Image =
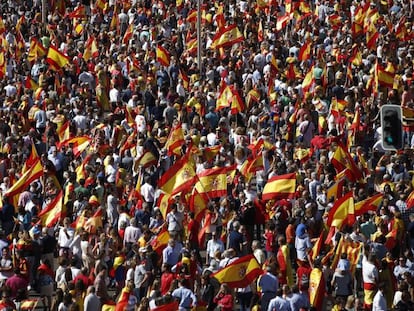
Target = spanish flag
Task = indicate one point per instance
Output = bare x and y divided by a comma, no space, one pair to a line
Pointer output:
316,249
94,222
316,288
91,49
282,21
79,12
3,64
240,273
198,205
308,80
369,204
163,56
56,59
79,144
226,37
29,304
305,51
343,208
191,46
175,140
230,98
53,212
35,172
253,96
81,169
212,183
160,241
179,176
36,50
210,152
372,36
147,159
31,160
184,77
128,34
384,78
252,165
335,191
353,251
280,187
410,200
64,131
30,84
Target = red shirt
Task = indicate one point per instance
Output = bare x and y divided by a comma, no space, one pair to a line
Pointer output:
166,280
193,229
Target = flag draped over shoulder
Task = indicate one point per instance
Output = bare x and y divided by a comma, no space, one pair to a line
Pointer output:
53,212
280,187
240,273
179,176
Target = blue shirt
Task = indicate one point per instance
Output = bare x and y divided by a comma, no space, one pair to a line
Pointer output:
269,283
299,301
278,304
186,297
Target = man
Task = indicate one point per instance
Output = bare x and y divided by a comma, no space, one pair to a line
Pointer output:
16,282
174,220
279,303
171,253
236,239
269,285
214,245
148,191
370,277
132,234
379,302
100,285
185,296
92,302
65,237
299,300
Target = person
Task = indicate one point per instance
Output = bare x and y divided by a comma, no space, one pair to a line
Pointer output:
379,302
65,238
207,292
370,278
16,282
92,301
279,303
224,298
268,284
214,245
184,295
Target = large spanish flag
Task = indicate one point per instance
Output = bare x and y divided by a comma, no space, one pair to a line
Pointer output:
56,59
53,212
335,191
240,273
280,187
163,56
369,204
226,37
198,205
212,183
342,209
31,160
35,172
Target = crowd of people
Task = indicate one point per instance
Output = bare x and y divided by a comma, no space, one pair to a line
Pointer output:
100,102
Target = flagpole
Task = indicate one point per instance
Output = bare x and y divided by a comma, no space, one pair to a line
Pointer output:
199,36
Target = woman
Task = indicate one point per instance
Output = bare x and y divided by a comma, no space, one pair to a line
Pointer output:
207,293
224,298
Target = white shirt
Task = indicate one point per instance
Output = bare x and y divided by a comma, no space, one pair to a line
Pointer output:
141,123
379,303
132,234
148,192
369,272
65,238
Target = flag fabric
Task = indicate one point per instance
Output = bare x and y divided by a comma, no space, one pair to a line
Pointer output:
56,59
147,159
260,35
160,241
230,98
372,37
35,172
252,165
343,162
167,307
184,77
163,56
342,210
226,37
316,288
179,176
128,34
383,77
212,183
198,205
175,140
29,304
36,50
53,212
94,222
79,12
79,144
335,191
253,96
353,251
305,51
410,200
240,273
282,21
316,249
81,169
30,84
280,187
31,160
91,49
370,204
64,131
308,80
191,46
